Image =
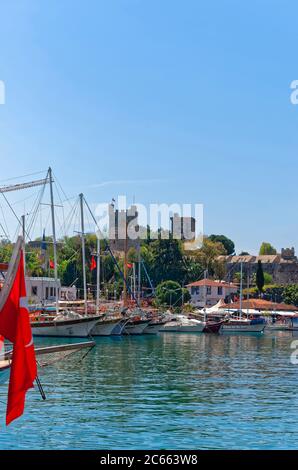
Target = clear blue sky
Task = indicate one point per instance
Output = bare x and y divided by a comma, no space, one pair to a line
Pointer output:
190,97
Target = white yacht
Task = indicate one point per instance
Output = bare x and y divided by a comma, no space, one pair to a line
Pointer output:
183,324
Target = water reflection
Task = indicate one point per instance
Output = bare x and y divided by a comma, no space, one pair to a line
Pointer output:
167,391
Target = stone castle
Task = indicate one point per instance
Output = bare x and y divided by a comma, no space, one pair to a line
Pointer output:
283,267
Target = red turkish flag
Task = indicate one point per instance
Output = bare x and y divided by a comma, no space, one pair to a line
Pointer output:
15,326
93,264
52,264
129,265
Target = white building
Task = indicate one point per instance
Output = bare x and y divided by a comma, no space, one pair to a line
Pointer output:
45,289
208,292
68,293
41,289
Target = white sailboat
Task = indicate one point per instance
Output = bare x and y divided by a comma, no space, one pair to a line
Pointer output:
240,324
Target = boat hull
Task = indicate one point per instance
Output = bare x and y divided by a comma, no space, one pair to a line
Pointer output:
213,327
135,328
234,328
77,328
153,328
183,328
104,328
118,328
278,328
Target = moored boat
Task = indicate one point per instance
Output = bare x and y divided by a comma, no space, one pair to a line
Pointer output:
213,326
62,326
244,325
119,327
183,324
154,327
105,327
135,326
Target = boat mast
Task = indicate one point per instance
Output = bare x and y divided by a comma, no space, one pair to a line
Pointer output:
205,288
134,279
54,239
139,272
248,276
125,264
205,292
241,287
98,275
83,251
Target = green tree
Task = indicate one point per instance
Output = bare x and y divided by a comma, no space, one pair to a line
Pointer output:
5,251
219,268
167,262
194,269
267,249
260,280
208,255
267,279
228,244
290,294
171,294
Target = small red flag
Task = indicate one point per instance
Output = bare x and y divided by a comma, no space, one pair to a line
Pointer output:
93,264
129,265
52,264
15,326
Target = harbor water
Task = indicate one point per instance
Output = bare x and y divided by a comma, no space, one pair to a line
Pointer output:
170,391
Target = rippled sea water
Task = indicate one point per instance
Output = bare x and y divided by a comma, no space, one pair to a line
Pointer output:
171,391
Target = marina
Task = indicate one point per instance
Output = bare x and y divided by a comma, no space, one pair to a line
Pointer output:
148,232
167,391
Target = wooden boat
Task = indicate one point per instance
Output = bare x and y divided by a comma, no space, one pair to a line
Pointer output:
213,326
244,325
119,327
154,327
64,326
105,327
135,326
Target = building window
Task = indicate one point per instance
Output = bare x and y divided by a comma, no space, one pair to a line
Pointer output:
208,290
195,290
34,290
219,291
47,292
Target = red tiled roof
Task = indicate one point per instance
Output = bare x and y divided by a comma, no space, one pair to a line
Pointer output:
211,283
260,304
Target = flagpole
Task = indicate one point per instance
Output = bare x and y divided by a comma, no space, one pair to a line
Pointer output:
54,239
83,252
24,241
